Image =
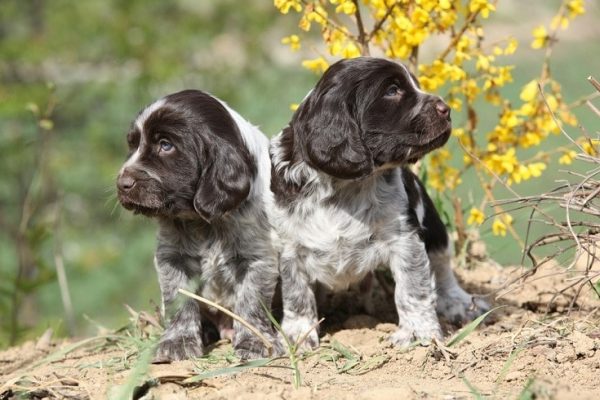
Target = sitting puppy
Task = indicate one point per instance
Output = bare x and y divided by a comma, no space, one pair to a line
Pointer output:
346,203
203,172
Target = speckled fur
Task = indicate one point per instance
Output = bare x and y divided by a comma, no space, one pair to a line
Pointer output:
340,219
214,235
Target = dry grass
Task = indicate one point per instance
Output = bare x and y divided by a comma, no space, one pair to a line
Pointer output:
577,230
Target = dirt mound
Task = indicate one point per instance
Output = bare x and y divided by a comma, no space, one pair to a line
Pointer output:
525,349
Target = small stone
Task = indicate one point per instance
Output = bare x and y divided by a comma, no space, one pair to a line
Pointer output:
566,354
583,345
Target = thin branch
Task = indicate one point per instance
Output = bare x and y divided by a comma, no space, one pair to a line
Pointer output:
241,320
380,23
362,35
460,33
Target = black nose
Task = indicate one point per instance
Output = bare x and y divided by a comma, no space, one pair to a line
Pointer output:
442,109
125,183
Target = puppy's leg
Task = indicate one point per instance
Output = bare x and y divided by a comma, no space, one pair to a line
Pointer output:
414,295
454,304
253,292
182,338
299,303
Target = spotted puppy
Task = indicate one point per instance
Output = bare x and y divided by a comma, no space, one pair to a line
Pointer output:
346,202
202,172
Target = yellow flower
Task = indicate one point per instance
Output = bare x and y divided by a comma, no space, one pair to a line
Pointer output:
540,37
318,15
304,23
285,5
498,228
590,146
344,6
420,17
530,139
294,106
560,20
552,102
509,118
351,50
575,8
535,169
483,6
444,4
529,91
455,103
293,41
458,132
317,65
567,157
470,89
475,217
527,110
483,62
511,47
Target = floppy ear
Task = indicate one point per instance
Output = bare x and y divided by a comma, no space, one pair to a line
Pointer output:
330,136
225,180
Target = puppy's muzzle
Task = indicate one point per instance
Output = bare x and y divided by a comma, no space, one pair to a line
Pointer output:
442,109
125,182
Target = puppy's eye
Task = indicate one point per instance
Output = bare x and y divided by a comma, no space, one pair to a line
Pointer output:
393,91
165,145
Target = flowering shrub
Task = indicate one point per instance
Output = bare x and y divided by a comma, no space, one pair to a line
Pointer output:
466,71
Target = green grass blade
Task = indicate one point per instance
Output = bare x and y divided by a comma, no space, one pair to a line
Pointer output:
527,393
261,362
348,365
60,354
469,328
511,358
474,391
135,378
343,350
370,365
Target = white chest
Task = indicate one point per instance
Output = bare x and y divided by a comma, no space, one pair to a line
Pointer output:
337,247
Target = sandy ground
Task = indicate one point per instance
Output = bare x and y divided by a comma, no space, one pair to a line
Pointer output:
524,350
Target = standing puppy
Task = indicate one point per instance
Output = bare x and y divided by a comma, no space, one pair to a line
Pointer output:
346,203
203,172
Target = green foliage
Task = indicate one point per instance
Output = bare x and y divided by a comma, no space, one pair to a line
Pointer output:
74,76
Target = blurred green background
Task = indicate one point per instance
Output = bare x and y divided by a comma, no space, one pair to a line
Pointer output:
75,73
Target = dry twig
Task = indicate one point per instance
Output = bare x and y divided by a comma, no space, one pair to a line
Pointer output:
579,230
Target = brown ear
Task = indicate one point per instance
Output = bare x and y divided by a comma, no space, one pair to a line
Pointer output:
225,181
330,136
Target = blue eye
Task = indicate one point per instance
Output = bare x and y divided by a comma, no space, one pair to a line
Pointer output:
165,145
393,91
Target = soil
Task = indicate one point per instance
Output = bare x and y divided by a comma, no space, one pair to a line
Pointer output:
531,347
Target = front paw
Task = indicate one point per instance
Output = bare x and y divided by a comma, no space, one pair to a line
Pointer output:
248,347
302,332
405,336
178,348
459,307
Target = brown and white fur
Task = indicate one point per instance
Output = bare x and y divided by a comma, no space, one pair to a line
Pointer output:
346,203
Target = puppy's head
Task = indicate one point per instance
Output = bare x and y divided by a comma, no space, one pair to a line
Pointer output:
366,114
186,158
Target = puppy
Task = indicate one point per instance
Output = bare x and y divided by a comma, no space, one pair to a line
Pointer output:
202,172
346,203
